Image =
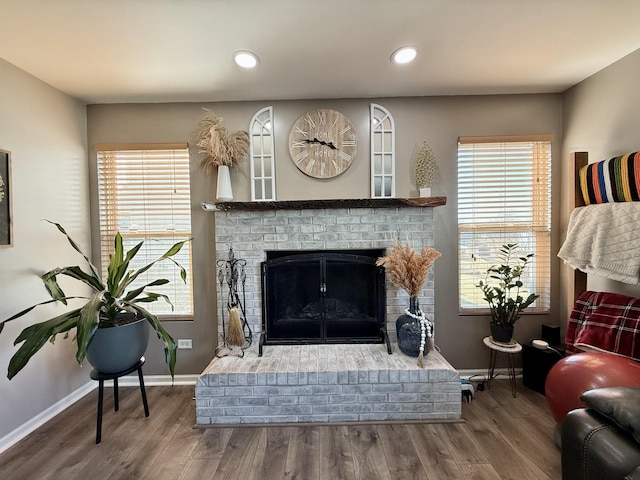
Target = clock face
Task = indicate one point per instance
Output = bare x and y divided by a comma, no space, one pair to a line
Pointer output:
323,143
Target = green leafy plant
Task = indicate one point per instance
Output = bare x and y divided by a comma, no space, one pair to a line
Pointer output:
104,308
502,285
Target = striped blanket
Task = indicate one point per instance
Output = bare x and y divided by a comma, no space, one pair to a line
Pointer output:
613,180
607,322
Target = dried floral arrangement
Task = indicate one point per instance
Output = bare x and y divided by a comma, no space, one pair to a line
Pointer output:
220,146
407,268
425,167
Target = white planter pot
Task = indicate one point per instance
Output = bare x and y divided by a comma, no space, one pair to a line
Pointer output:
425,192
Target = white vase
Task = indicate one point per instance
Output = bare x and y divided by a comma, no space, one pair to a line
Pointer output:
224,193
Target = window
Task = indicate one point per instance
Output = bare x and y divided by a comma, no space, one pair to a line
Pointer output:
504,196
144,194
383,146
263,180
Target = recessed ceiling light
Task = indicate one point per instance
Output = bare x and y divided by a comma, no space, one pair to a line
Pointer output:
404,54
245,59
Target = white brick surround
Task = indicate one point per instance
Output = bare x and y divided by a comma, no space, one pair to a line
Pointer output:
324,383
251,233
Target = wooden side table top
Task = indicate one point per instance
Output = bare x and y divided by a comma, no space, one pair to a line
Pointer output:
515,347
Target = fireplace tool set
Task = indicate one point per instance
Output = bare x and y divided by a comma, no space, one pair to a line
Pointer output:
239,337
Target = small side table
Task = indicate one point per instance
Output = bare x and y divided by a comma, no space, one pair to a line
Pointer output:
510,350
101,377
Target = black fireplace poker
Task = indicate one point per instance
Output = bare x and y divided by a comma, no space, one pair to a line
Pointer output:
231,272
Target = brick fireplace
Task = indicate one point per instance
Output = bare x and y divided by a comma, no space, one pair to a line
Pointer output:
253,228
284,385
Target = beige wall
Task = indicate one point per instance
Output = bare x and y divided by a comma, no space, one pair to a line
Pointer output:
601,117
46,134
438,120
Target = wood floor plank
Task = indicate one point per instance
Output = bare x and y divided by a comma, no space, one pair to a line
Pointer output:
178,451
272,463
212,442
237,458
157,436
120,439
402,459
532,440
336,454
523,407
368,457
200,468
48,463
461,444
497,446
436,458
530,443
479,471
303,455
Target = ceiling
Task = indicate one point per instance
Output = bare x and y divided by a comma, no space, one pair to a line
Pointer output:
112,51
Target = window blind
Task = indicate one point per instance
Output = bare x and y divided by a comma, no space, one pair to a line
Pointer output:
504,196
144,193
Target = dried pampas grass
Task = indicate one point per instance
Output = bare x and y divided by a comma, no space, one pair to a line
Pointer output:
408,269
220,146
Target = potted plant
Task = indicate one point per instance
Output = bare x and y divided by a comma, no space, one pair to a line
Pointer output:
109,307
425,169
502,291
408,270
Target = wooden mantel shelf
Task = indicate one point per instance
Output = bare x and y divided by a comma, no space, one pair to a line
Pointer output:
337,203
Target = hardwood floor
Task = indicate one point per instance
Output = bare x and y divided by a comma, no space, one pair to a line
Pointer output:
502,438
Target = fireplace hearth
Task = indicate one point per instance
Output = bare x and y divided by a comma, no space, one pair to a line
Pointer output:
323,296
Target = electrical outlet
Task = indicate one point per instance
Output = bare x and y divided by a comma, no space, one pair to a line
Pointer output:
185,343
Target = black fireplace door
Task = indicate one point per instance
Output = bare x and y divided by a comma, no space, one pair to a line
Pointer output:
323,298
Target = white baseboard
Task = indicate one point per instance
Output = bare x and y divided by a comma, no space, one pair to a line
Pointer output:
480,375
26,428
157,380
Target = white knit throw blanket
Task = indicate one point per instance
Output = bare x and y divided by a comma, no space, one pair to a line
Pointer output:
604,240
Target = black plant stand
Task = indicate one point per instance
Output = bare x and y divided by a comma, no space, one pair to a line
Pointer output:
101,377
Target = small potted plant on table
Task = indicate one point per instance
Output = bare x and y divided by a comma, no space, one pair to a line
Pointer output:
502,290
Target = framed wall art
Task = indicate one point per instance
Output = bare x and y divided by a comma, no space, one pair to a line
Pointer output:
6,226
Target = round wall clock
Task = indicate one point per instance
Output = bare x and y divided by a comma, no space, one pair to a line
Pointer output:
323,143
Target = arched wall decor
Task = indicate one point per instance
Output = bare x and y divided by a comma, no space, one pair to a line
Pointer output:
263,175
383,153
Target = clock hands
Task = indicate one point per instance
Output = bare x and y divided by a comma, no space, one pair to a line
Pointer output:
321,142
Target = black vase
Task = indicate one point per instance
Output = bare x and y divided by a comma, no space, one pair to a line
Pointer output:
501,333
408,332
